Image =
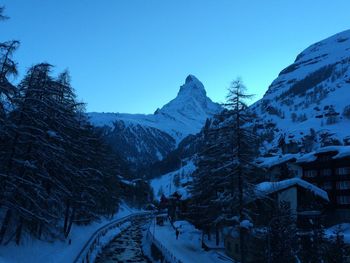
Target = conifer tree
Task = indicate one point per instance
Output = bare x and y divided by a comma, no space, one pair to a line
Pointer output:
282,238
222,181
243,144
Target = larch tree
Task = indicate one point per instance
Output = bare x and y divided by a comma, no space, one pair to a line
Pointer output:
243,152
222,182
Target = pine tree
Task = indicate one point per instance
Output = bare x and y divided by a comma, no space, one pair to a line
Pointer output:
282,239
243,152
337,251
222,181
54,165
2,16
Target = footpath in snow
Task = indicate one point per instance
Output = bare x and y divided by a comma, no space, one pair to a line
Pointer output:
34,251
187,248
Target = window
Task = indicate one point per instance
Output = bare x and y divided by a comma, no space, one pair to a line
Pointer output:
343,185
326,172
343,171
327,186
343,199
310,173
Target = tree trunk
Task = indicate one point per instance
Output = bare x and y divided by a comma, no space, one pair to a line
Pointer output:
217,235
19,231
66,217
5,224
208,233
70,223
40,231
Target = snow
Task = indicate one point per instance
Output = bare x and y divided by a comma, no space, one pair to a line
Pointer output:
246,224
165,183
345,231
341,152
268,162
184,115
267,188
33,251
331,51
187,248
52,134
107,238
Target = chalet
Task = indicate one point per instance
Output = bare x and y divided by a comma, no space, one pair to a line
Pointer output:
329,169
305,200
306,204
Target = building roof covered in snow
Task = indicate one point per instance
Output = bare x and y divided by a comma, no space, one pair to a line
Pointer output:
340,152
268,162
267,188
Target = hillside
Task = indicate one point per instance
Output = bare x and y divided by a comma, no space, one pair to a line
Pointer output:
307,106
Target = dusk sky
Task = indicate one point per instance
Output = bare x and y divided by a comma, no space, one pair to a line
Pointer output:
133,55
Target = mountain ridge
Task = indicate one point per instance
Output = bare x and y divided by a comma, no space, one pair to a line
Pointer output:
310,94
147,138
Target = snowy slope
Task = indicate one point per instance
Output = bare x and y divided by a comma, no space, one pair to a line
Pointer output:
303,109
312,93
176,181
180,117
34,251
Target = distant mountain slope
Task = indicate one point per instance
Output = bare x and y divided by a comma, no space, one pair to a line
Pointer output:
305,108
144,139
308,105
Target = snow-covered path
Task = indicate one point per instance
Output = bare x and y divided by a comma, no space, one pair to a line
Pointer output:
35,251
187,248
126,247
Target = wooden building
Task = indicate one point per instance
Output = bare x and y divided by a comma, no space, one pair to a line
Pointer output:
306,204
328,168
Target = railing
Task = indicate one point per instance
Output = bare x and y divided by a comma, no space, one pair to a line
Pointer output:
169,257
90,249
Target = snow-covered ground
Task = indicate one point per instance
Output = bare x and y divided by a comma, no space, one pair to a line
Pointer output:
34,251
187,248
166,183
344,228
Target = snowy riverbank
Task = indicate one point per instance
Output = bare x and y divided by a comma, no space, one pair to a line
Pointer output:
187,248
33,251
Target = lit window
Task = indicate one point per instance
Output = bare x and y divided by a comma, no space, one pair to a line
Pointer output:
343,185
343,199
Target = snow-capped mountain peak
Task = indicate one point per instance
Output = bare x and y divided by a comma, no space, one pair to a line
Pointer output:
192,87
184,115
191,103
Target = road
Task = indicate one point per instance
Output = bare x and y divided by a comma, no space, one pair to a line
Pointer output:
126,247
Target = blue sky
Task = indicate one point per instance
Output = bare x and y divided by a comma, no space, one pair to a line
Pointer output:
133,55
